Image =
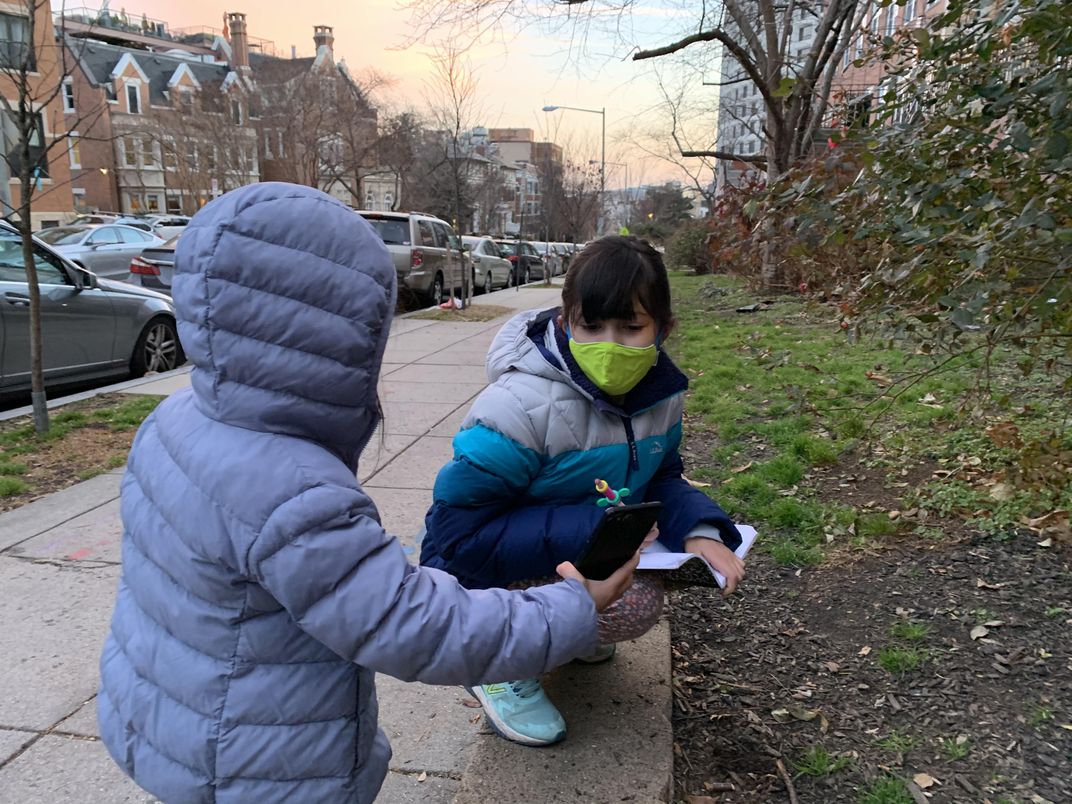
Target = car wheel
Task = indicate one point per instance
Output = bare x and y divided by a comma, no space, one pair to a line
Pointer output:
158,348
436,295
487,283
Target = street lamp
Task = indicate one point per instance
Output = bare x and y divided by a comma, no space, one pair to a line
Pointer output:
603,149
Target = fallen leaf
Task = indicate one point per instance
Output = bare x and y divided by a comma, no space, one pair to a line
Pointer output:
924,780
738,469
979,632
1067,726
1047,542
1001,492
697,484
981,584
994,623
471,703
786,714
423,775
866,649
893,515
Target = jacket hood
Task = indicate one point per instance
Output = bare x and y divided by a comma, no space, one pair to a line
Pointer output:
527,343
284,299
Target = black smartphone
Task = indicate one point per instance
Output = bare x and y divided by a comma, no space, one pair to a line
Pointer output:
618,535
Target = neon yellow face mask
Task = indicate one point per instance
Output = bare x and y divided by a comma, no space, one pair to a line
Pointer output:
615,369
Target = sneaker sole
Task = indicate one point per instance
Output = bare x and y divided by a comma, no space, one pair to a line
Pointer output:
505,731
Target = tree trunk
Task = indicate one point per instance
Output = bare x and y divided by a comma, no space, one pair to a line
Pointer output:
37,375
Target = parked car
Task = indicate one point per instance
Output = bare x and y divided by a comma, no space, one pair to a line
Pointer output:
565,254
106,250
97,218
155,267
168,226
527,262
490,268
93,328
550,257
425,251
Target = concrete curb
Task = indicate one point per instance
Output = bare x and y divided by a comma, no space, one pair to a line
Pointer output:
126,385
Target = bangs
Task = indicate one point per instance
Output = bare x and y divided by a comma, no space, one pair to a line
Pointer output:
611,276
609,290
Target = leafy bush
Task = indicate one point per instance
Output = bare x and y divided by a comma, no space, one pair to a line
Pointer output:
687,249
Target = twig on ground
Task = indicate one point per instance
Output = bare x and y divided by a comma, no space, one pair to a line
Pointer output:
788,782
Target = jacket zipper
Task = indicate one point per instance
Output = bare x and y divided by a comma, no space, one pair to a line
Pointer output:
634,458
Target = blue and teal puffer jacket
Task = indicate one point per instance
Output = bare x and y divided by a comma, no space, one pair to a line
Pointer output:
519,496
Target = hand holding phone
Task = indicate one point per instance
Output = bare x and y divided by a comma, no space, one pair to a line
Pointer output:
604,592
619,534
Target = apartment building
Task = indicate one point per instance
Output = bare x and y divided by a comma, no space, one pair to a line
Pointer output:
52,201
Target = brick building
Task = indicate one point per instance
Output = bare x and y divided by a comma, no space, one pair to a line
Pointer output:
52,201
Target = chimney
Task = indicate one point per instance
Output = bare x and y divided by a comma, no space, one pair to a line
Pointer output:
324,36
239,40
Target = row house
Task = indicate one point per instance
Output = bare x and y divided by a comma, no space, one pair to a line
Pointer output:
51,200
164,121
174,129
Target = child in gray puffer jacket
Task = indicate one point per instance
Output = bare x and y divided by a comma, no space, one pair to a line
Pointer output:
259,593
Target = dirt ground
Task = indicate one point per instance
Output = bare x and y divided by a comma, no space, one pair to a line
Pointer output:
793,664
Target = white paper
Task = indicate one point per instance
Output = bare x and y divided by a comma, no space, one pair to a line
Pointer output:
657,556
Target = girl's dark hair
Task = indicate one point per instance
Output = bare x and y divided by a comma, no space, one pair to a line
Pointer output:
609,275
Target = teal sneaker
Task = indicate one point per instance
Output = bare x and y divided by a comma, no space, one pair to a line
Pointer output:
521,711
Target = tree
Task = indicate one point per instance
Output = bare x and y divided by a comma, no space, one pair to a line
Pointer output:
661,211
453,107
754,35
32,68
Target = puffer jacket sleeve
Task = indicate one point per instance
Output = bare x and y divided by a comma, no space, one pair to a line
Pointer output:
347,583
685,507
480,528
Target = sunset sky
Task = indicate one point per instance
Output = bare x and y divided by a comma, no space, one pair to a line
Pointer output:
521,70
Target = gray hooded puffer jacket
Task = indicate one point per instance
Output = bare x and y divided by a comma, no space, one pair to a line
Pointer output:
259,592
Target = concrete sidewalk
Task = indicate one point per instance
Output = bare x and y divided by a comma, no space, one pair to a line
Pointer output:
59,563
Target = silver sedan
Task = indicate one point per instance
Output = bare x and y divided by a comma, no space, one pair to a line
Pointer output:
490,269
92,328
106,249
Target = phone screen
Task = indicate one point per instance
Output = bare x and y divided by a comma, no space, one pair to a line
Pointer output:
619,534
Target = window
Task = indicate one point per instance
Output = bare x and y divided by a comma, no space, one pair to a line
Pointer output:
15,45
148,154
191,157
74,150
104,236
68,95
890,20
133,97
152,203
388,200
909,11
267,145
236,112
803,33
130,151
135,236
282,152
48,267
427,235
174,204
79,200
38,157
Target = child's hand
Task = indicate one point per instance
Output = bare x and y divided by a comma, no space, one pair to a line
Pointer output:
653,534
603,592
720,557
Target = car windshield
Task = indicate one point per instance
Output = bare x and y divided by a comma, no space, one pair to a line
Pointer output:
392,232
62,235
508,247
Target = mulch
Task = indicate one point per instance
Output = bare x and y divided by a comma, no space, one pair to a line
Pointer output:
792,662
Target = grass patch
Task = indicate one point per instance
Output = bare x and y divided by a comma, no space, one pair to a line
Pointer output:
897,743
474,312
817,761
909,631
898,661
85,439
10,486
1040,715
785,390
954,748
887,790
789,553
